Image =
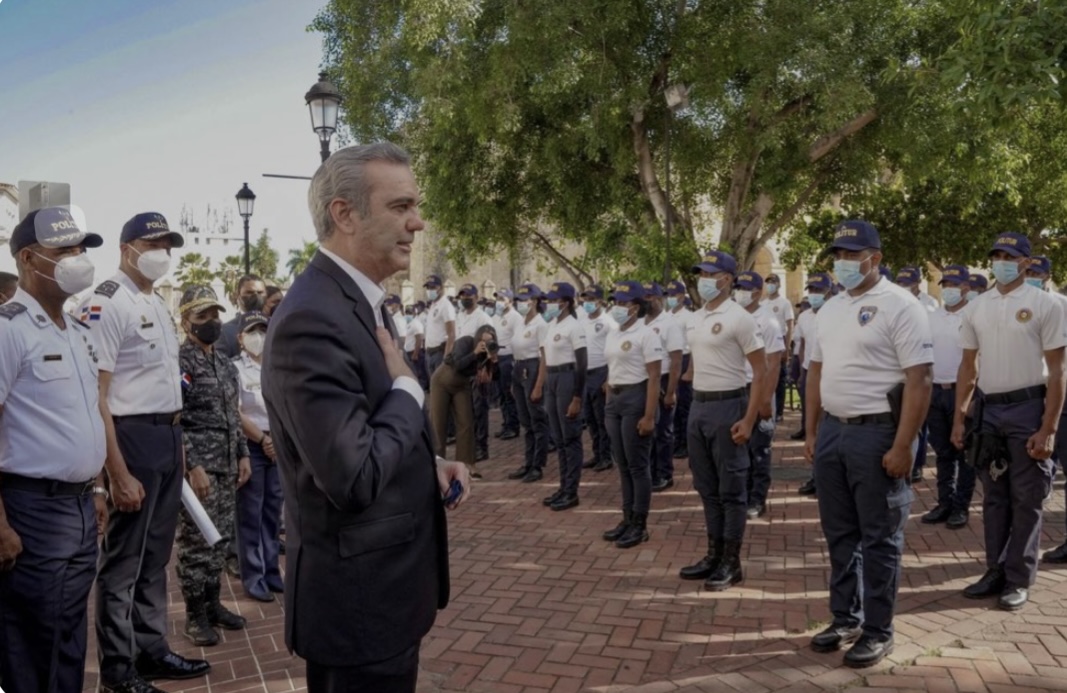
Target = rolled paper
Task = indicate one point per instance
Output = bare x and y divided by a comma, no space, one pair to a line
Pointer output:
199,515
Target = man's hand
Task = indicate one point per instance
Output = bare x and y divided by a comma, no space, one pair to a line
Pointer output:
898,461
100,509
10,547
446,472
741,431
574,408
669,401
809,449
268,448
766,412
959,434
244,471
1040,445
646,426
394,359
199,482
126,493
535,394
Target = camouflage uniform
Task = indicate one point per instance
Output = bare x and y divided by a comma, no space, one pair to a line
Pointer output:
214,441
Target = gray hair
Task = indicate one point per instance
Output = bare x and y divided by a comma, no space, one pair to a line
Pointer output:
342,176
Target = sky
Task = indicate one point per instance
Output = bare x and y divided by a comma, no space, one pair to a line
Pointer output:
149,105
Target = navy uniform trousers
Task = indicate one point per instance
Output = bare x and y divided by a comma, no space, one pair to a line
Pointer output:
131,587
1012,503
44,598
759,452
632,452
593,412
559,390
506,368
862,511
684,400
531,415
663,438
259,513
719,466
955,478
1060,455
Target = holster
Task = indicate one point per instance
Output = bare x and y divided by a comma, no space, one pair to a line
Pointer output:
986,449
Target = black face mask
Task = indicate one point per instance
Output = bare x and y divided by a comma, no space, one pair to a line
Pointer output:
467,303
252,303
207,332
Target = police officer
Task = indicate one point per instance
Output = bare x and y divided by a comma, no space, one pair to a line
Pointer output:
9,284
526,346
216,463
141,402
955,478
782,310
671,335
722,337
251,297
440,323
634,355
978,284
747,293
506,321
395,307
909,278
415,343
561,383
51,454
597,325
819,288
678,304
1020,333
868,391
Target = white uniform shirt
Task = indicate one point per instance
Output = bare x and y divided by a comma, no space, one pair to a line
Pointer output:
415,329
931,303
561,341
945,329
506,324
596,333
440,313
1011,333
529,338
468,323
629,352
683,315
51,426
808,329
671,335
138,345
401,325
780,307
720,341
865,343
251,391
770,332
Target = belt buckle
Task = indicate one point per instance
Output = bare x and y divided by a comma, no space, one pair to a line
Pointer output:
88,488
176,419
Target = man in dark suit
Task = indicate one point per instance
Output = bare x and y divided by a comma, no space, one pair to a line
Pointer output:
367,559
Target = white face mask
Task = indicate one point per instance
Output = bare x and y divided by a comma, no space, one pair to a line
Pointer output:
73,273
253,342
153,264
743,298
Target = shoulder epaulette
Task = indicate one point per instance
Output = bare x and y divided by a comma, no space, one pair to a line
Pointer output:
108,288
11,309
80,323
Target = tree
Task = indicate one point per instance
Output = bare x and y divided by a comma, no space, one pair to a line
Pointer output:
263,258
300,257
229,273
193,268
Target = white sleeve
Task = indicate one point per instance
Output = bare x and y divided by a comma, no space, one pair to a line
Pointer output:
747,334
675,339
448,312
1053,328
12,347
910,333
968,336
108,330
577,336
812,346
652,346
773,340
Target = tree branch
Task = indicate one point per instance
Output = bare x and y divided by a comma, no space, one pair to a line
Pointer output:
789,214
646,172
831,141
580,277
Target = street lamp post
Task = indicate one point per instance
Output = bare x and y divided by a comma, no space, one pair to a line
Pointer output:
324,102
246,200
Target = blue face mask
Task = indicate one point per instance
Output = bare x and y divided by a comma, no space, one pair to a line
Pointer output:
522,307
1005,271
432,294
772,289
951,295
552,311
672,302
490,311
816,301
1036,282
500,306
409,318
972,295
708,288
848,272
620,313
589,307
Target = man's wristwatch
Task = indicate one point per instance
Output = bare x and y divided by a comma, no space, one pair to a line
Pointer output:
101,491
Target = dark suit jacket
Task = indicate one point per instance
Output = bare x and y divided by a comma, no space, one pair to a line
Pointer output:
367,546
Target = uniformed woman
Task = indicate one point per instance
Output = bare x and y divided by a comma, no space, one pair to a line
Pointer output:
526,348
635,357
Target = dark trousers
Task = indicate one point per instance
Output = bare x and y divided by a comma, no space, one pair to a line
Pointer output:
1012,503
434,359
480,396
663,439
684,401
862,511
779,391
559,391
802,389
396,675
531,415
131,587
593,413
259,511
1060,455
418,365
955,478
920,450
632,452
508,409
759,473
719,466
44,598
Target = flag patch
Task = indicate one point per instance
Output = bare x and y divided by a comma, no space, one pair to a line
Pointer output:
187,381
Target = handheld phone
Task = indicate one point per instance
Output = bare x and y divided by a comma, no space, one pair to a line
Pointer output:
455,490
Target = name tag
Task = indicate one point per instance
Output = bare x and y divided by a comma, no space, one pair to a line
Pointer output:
53,357
146,325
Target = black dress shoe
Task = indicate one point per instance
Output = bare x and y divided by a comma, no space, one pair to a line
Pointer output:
662,485
916,475
499,434
603,466
508,435
133,684
275,584
1056,555
552,499
834,637
565,502
757,511
936,516
533,475
481,456
171,666
589,464
281,548
1013,598
807,488
867,652
519,473
799,435
957,520
681,454
991,584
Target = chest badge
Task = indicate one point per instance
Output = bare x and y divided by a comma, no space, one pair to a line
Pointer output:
775,309
1024,315
656,330
557,338
599,327
716,328
627,345
527,335
866,315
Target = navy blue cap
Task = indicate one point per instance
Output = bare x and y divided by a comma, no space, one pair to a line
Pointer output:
955,275
628,291
420,305
1014,244
561,290
467,289
392,299
594,291
750,281
652,290
978,281
908,276
820,281
250,320
717,261
1040,264
675,288
528,292
504,293
432,280
856,234
886,272
150,226
52,227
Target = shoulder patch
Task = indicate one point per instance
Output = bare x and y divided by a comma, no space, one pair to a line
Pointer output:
11,309
108,288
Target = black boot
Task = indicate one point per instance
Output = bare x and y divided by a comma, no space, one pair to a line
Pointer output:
619,529
728,571
519,473
217,614
637,532
197,625
704,567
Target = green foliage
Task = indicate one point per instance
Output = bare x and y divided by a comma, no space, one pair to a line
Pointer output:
264,259
300,257
193,268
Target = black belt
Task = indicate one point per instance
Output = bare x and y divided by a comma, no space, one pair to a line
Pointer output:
565,368
619,389
885,418
1016,396
171,419
719,396
596,370
435,350
46,486
532,358
946,386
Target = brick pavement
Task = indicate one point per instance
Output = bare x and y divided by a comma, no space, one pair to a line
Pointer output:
542,605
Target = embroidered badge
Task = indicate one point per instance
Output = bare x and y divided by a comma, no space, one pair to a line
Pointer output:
716,328
527,335
557,338
627,345
656,330
1024,315
599,327
775,309
867,314
108,288
11,309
